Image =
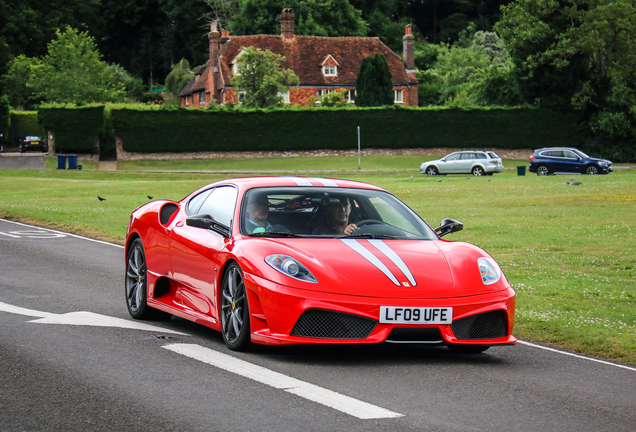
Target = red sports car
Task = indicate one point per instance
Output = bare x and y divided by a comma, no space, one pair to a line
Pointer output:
300,260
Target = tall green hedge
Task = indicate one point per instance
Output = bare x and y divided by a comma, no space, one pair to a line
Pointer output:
392,127
24,123
5,118
75,128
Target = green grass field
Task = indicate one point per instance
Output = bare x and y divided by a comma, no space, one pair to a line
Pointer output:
568,250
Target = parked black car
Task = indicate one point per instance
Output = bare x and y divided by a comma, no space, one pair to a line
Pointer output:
555,160
35,143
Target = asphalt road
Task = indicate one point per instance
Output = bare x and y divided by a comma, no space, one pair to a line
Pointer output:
58,373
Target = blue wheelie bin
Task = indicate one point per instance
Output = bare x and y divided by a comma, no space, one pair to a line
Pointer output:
61,161
72,161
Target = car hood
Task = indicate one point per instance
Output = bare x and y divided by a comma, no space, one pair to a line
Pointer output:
600,160
376,268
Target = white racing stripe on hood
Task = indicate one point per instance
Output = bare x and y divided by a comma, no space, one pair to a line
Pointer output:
356,246
299,181
395,258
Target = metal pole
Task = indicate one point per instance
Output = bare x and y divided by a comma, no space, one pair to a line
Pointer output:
359,166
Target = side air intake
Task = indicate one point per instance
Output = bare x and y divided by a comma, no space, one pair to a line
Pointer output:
166,213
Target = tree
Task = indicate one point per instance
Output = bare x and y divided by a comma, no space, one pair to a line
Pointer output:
179,77
15,82
374,84
73,72
313,17
261,76
586,45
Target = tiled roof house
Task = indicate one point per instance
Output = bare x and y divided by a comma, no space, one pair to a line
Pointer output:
322,64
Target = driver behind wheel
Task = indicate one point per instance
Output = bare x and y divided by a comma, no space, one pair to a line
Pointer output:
337,219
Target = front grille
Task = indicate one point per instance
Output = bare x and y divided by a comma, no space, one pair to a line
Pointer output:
415,335
489,325
325,324
166,213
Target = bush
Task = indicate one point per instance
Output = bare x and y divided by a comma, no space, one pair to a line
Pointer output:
24,123
188,130
75,128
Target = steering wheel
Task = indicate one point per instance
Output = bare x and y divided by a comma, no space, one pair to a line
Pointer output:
369,222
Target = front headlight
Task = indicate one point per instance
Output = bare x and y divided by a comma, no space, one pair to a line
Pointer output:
290,267
604,164
489,269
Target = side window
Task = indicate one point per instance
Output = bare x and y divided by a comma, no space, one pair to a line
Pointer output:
453,157
220,204
481,156
195,203
468,156
569,154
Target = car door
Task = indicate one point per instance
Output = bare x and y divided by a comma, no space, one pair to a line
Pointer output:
571,162
449,166
194,251
465,164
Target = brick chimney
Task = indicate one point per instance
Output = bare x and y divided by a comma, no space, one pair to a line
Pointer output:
287,24
213,36
408,54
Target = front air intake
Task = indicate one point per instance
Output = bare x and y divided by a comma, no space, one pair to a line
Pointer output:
489,325
325,324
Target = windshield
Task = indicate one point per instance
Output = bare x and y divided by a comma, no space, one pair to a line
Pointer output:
315,212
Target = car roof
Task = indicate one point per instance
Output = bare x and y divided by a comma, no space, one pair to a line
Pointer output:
557,148
245,183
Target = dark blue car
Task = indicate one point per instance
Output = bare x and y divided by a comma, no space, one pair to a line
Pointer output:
555,160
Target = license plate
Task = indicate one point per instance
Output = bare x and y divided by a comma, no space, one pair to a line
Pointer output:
416,315
35,142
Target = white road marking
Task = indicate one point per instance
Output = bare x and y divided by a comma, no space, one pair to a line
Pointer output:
9,235
575,355
83,319
64,233
314,393
518,341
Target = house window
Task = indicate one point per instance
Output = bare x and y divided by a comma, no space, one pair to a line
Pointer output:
397,95
201,97
187,101
241,96
284,96
351,96
320,93
329,71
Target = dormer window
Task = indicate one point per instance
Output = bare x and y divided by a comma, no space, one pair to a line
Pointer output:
329,66
330,70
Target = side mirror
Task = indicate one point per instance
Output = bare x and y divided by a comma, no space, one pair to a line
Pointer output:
448,226
207,222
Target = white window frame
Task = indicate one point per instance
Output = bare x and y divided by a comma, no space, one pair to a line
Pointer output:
201,97
398,96
330,70
285,96
240,96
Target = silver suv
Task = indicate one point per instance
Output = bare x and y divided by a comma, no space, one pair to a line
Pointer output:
477,163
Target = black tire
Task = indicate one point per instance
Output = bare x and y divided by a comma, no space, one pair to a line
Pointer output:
478,171
234,310
468,349
591,170
136,285
543,170
432,171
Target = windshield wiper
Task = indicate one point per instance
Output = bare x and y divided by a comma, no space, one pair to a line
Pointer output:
369,235
274,234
